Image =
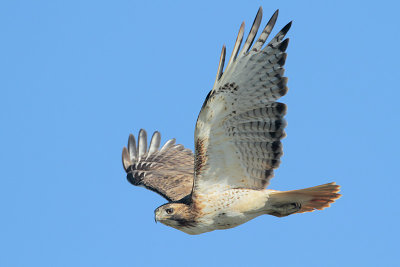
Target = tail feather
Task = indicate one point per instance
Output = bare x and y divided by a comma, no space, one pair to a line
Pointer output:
310,199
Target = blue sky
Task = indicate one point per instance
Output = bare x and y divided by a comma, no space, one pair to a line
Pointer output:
78,76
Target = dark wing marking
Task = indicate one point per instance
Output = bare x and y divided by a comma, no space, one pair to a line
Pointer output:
240,125
167,171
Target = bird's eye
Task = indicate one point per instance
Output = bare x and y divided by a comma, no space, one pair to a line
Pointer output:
169,210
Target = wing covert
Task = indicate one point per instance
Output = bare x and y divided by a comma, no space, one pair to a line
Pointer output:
167,171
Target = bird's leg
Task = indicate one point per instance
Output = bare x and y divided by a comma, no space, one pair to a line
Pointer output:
284,209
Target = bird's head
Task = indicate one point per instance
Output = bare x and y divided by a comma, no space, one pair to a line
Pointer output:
177,215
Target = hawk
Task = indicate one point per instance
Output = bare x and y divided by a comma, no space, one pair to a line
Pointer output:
237,147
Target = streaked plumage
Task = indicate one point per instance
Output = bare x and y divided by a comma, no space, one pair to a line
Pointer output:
237,146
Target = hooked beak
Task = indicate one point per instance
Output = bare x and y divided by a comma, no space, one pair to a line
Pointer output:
155,215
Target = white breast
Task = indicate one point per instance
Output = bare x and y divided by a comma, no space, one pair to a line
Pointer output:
223,210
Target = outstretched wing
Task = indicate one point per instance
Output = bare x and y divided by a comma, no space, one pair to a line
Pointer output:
239,128
167,171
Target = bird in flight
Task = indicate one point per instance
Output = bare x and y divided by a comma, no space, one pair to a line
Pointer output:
237,147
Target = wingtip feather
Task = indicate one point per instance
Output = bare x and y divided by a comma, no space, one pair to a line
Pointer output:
266,32
154,143
238,42
142,143
221,64
168,144
284,45
253,32
286,28
132,147
126,162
